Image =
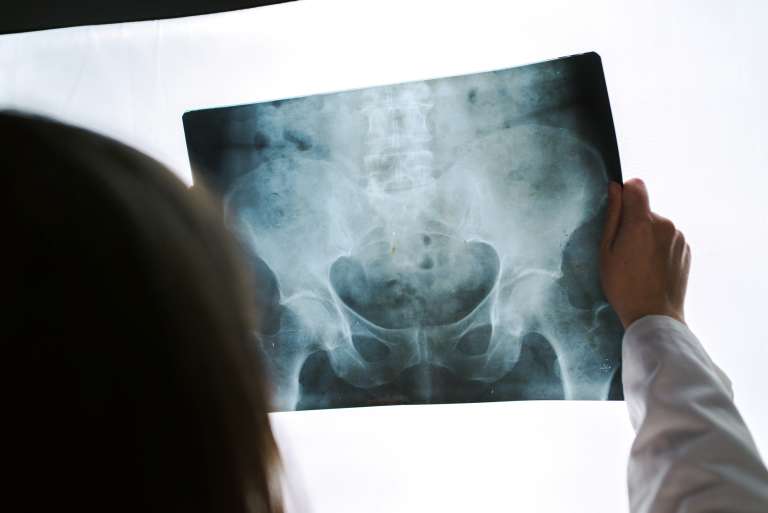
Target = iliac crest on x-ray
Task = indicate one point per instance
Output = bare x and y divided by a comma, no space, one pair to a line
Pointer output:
425,242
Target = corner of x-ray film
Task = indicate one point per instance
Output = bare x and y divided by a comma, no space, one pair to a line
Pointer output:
425,242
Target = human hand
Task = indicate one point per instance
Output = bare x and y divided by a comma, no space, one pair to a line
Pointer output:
644,259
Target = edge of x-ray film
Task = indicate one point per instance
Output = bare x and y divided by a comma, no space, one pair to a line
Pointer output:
425,242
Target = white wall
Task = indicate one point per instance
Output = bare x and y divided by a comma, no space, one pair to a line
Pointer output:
686,80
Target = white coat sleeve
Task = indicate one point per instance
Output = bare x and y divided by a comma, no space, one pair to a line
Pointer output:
692,453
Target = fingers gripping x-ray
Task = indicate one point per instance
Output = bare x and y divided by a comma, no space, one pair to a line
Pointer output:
424,229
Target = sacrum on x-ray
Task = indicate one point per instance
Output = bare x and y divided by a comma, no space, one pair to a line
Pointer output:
425,242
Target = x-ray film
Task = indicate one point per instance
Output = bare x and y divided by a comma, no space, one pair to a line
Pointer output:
425,242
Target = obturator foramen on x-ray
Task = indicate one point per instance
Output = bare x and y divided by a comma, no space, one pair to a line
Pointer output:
426,242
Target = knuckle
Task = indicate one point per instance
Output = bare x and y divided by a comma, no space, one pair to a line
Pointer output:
678,239
665,225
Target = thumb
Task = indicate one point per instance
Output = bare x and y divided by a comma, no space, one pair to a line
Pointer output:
612,217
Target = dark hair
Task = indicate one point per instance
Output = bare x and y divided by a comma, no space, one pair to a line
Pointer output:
129,378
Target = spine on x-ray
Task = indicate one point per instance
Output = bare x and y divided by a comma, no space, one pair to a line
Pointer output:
398,142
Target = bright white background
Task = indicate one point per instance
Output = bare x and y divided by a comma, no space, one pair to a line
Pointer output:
688,83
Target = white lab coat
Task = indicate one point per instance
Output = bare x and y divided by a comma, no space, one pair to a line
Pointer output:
692,453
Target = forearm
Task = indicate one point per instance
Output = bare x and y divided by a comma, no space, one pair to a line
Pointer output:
693,453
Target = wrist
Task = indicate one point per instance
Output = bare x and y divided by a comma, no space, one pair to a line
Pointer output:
628,319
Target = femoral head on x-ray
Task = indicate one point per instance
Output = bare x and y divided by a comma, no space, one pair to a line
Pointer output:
425,242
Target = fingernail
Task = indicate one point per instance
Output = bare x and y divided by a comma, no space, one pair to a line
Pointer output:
613,187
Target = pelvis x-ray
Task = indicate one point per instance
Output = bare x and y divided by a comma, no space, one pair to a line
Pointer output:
426,242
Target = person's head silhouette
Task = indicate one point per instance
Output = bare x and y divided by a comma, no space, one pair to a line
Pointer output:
128,376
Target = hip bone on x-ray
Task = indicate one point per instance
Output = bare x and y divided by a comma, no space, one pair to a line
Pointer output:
425,242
